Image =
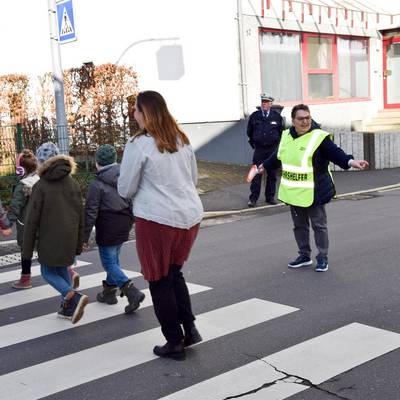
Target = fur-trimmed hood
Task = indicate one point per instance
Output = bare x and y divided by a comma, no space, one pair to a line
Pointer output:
57,167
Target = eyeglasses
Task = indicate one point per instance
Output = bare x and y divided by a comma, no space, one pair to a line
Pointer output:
303,118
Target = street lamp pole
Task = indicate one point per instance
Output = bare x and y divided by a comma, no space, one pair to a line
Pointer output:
58,80
143,41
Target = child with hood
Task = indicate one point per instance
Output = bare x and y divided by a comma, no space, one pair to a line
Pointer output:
55,218
43,153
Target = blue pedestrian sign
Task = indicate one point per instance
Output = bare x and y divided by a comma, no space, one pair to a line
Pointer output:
66,21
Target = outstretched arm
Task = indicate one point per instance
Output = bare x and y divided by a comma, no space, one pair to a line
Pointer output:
358,164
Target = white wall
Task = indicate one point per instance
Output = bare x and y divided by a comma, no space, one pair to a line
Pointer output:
330,114
209,89
207,32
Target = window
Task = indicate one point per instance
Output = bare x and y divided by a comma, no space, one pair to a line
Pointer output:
319,62
281,65
314,67
353,67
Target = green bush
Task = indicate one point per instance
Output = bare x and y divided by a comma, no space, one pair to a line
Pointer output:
7,183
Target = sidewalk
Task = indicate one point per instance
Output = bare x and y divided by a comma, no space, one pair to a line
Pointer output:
222,187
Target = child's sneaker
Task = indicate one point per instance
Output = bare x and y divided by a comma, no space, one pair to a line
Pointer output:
64,312
74,307
23,283
75,277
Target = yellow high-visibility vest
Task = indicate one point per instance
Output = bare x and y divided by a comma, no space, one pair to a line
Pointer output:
297,183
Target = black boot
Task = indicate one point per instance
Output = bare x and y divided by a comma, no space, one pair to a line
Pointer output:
134,296
192,335
108,295
169,350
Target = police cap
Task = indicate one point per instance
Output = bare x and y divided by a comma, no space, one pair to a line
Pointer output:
264,96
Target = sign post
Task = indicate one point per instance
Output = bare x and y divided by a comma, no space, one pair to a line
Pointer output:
62,30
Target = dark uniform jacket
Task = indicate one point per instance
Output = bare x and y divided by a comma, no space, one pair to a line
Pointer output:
328,151
264,131
107,210
55,215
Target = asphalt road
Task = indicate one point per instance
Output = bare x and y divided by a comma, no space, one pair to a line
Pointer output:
239,258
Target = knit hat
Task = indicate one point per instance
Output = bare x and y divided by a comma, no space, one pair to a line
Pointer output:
46,151
106,155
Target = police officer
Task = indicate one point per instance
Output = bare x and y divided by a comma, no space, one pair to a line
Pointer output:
264,131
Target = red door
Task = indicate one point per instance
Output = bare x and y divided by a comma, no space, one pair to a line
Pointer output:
391,72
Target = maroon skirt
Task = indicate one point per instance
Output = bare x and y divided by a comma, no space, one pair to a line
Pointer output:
159,246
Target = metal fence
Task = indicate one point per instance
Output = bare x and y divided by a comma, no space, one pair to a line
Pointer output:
82,142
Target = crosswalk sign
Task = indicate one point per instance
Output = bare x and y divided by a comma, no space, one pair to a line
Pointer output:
66,21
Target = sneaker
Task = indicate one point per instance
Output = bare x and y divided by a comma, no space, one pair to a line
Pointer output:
251,203
23,283
75,278
74,307
64,312
300,261
322,265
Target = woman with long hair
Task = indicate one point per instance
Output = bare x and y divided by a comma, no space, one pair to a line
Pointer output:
159,172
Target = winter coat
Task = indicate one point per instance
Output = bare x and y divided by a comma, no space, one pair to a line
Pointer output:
162,185
264,131
55,215
19,201
107,210
328,151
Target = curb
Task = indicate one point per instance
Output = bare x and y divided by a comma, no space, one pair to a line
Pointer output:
216,214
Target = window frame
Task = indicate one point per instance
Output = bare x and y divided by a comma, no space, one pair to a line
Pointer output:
334,68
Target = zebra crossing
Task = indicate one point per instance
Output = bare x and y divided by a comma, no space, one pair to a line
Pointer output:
276,376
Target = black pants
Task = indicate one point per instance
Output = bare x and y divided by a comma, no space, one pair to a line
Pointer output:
261,154
26,265
172,305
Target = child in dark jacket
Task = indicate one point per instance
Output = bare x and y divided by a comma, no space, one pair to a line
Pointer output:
113,218
26,170
55,220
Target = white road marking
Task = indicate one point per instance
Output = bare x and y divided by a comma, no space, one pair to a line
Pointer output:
85,366
48,324
14,275
21,297
316,360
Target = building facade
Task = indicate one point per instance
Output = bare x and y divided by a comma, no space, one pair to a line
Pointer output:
212,59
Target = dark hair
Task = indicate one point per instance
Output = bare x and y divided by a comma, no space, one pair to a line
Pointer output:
299,107
159,123
28,161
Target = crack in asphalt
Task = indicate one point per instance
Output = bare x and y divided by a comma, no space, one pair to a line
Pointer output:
298,380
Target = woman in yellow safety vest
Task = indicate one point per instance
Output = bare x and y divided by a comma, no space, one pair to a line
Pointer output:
304,153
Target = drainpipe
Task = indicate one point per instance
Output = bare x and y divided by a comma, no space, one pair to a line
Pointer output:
242,61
